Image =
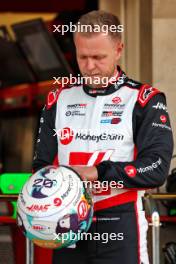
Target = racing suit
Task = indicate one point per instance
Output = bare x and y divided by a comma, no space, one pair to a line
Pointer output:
124,130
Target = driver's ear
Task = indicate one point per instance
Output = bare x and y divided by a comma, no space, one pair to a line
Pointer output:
119,49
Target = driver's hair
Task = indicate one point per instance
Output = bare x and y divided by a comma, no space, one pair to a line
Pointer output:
90,20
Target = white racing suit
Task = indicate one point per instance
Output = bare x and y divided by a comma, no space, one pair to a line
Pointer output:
124,130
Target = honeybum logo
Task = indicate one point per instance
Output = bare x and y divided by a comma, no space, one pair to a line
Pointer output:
66,135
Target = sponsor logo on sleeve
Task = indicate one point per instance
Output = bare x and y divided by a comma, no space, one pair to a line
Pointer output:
131,171
154,124
163,119
151,167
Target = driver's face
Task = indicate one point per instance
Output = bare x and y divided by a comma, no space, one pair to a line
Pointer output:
97,56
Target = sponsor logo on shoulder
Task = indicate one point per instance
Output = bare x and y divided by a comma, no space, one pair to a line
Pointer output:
160,106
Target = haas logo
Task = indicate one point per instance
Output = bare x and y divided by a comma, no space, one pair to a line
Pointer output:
116,100
163,118
131,171
82,210
66,136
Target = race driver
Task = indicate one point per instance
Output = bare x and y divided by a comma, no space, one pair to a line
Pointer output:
116,132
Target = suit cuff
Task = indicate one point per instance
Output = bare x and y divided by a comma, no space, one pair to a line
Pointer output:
101,168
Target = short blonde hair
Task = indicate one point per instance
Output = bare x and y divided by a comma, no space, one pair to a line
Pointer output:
100,18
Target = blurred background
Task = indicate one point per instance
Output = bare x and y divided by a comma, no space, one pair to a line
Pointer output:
31,54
